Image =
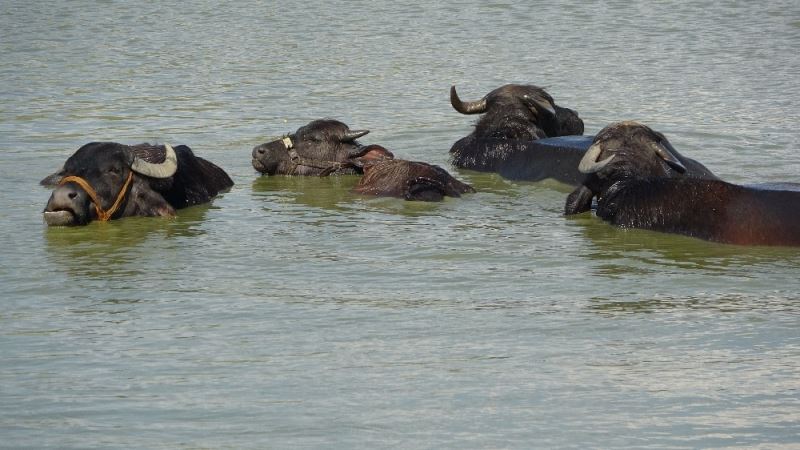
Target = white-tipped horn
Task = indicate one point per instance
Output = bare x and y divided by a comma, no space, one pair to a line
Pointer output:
163,170
589,162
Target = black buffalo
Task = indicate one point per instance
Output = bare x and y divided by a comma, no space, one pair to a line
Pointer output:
410,180
642,182
629,149
505,138
321,147
107,180
707,209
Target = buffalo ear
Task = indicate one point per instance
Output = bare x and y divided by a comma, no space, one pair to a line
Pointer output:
666,151
369,153
53,179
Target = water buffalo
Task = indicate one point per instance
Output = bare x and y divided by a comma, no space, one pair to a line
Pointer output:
642,182
410,180
107,180
707,209
322,147
505,139
631,149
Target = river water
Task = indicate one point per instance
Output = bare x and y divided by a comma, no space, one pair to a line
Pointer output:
290,313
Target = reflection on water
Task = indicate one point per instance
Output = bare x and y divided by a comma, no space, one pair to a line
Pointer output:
334,194
292,313
111,249
632,248
720,303
331,192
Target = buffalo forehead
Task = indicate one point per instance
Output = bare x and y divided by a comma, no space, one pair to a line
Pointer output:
518,90
96,155
323,128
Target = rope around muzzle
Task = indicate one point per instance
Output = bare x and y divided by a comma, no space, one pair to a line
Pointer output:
102,215
327,167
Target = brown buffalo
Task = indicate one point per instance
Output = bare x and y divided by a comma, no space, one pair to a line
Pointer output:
410,180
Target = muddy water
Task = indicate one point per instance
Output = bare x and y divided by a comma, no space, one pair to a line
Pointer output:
291,313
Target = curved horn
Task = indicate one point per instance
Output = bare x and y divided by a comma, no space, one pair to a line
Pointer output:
664,150
589,162
351,135
476,107
164,170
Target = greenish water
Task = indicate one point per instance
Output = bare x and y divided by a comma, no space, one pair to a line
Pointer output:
291,313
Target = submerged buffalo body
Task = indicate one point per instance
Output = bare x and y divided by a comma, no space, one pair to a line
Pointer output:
640,181
410,180
327,146
322,147
554,158
628,150
707,209
107,180
514,116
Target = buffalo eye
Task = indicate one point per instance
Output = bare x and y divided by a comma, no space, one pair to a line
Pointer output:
114,170
316,137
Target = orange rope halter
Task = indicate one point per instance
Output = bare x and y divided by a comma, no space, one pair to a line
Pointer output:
101,214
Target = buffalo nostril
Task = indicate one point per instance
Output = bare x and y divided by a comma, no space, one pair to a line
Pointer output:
260,151
72,195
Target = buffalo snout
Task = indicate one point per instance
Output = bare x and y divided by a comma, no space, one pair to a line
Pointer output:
267,157
68,205
259,151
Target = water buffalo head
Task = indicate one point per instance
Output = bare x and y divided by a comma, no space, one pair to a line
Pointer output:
516,111
627,150
319,148
106,180
630,150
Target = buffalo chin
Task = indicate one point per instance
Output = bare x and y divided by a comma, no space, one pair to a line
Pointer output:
59,218
259,166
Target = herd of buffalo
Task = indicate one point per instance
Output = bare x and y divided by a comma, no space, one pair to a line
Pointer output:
631,174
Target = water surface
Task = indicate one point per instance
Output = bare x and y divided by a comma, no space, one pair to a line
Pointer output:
291,313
